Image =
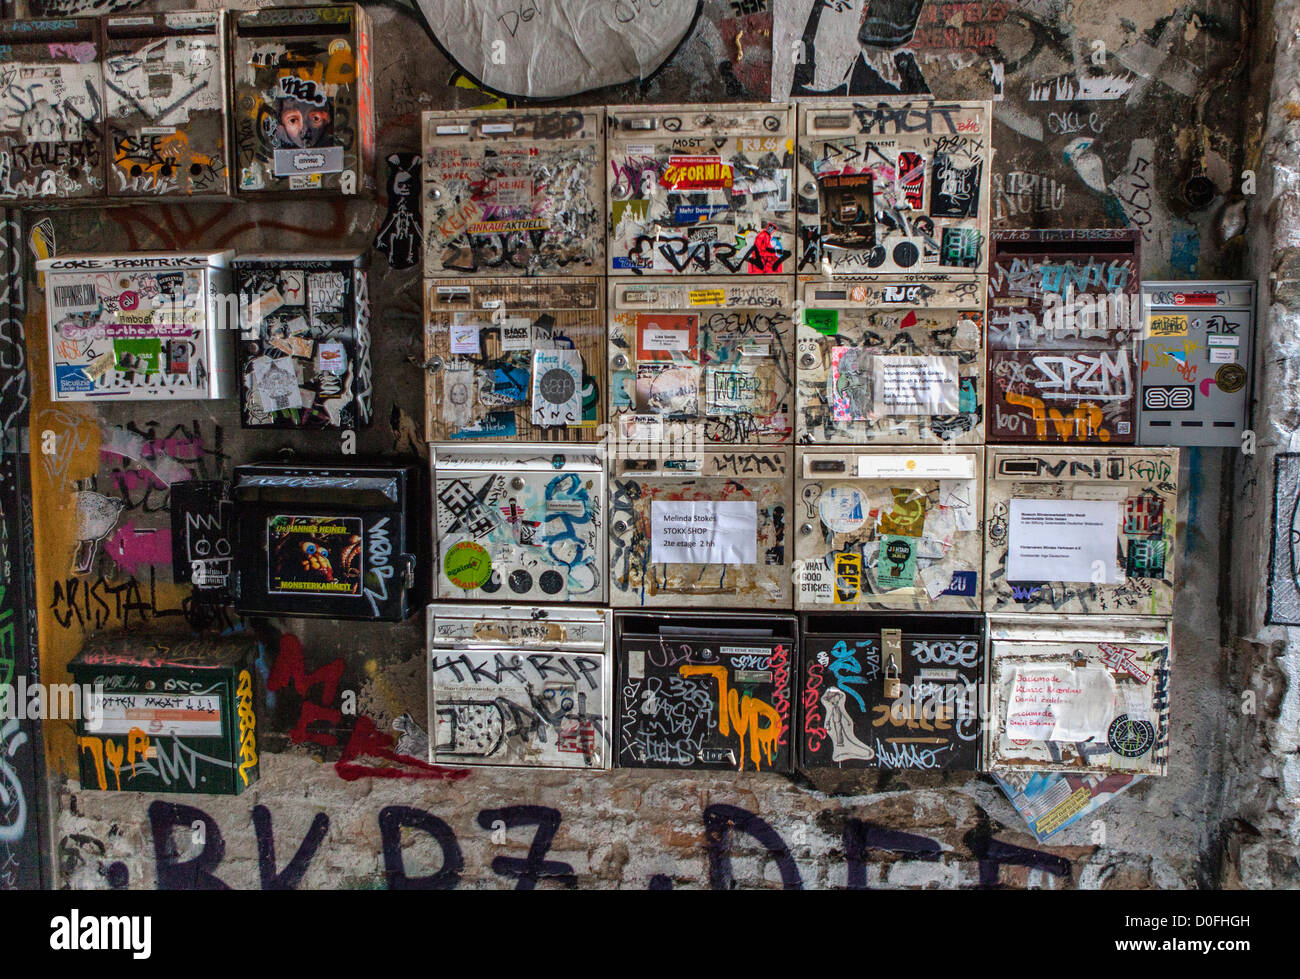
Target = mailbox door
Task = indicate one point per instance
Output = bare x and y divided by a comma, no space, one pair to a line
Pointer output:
1081,530
894,186
701,190
513,192
512,359
704,362
891,361
714,533
895,529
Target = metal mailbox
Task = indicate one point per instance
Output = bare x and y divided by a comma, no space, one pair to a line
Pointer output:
1076,530
895,529
520,686
1068,694
707,362
895,692
711,692
894,185
175,714
514,192
891,361
701,190
514,359
51,112
304,346
518,523
303,100
1197,362
1063,337
139,327
337,542
165,81
710,529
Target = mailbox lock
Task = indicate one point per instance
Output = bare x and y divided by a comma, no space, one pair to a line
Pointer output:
620,525
805,529
433,364
620,361
807,360
517,483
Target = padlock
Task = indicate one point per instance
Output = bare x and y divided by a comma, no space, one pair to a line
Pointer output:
891,641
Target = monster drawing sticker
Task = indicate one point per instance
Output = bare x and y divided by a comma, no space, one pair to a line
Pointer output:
314,555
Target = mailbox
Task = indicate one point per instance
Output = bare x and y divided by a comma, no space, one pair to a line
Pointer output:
1070,694
330,541
889,529
895,692
304,345
175,714
520,686
511,359
52,112
891,361
894,186
1080,530
706,361
165,81
710,692
139,327
1198,354
518,523
513,192
304,103
1064,338
701,189
708,530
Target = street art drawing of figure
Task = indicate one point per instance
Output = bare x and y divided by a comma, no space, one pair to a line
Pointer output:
877,64
302,124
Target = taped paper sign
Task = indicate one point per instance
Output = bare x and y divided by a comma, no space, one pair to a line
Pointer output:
915,385
666,337
1064,540
703,532
1060,704
557,387
465,338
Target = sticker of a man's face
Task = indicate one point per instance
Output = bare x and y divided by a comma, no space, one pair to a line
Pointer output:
303,123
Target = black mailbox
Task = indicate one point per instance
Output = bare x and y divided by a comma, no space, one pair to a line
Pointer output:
331,540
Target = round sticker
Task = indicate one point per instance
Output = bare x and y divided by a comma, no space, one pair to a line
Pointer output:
1230,378
844,508
1129,737
556,386
467,565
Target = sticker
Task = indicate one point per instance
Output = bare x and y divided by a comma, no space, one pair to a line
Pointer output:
307,163
643,428
261,306
843,508
276,385
1121,660
907,515
467,565
399,236
915,385
659,336
959,494
162,715
707,297
71,378
1059,704
1063,540
703,532
465,338
729,391
1230,378
848,390
816,584
457,394
139,356
848,578
557,387
824,321
516,333
686,173
929,466
330,358
896,562
326,291
100,365
314,555
672,391
1130,737
1167,325
1223,355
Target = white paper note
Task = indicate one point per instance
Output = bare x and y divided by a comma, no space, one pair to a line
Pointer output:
557,387
465,338
1060,704
915,385
960,495
703,532
1063,540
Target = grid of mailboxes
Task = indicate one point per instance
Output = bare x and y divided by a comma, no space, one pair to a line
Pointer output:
751,447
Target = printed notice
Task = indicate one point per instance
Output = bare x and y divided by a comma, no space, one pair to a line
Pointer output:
193,716
1063,540
703,532
1060,704
915,385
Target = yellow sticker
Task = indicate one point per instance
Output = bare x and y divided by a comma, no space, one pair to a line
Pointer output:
1167,325
848,578
708,297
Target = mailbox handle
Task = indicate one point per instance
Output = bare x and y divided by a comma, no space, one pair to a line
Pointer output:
408,567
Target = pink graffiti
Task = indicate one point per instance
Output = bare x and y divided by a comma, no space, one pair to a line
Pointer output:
130,547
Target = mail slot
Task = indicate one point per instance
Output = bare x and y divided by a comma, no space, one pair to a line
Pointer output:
896,361
1198,354
1064,337
52,116
139,327
1069,694
332,541
165,79
1080,530
894,185
175,714
711,692
514,192
514,359
304,102
707,361
520,686
710,529
895,529
700,189
304,345
895,692
516,523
